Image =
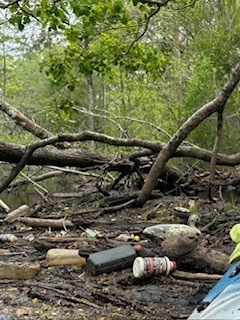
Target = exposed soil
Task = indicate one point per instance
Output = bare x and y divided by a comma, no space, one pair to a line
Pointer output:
71,292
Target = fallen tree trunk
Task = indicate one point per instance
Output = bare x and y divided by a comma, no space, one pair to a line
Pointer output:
36,154
12,153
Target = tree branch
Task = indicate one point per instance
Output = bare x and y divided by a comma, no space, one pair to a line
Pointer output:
73,157
12,153
216,147
5,6
157,3
21,120
200,115
145,28
159,6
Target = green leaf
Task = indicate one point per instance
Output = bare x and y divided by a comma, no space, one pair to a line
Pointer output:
38,12
142,8
124,19
26,19
20,26
118,5
71,87
77,11
13,8
235,233
235,255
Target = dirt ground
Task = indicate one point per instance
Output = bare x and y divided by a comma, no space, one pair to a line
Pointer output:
71,292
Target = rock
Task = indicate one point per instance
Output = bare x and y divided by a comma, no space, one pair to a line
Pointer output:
165,231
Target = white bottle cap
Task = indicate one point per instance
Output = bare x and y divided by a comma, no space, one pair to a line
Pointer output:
138,267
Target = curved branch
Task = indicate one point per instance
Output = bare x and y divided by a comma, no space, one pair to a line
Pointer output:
145,28
199,116
72,157
12,153
159,6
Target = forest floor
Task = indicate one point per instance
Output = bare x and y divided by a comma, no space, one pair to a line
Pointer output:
71,292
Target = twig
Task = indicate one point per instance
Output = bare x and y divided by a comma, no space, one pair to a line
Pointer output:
63,294
5,6
34,179
145,28
216,147
207,226
115,208
112,115
67,239
45,223
42,196
196,276
159,6
21,253
75,172
157,3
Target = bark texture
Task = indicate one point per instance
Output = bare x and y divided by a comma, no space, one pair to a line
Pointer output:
21,120
12,153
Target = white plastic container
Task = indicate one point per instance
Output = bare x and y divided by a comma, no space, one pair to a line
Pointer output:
152,266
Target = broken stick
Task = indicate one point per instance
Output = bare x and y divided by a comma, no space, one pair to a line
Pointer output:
46,223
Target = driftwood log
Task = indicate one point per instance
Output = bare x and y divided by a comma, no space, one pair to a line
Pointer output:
191,254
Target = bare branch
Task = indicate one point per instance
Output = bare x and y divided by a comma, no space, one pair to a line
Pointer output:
215,152
112,115
145,29
5,6
157,3
159,6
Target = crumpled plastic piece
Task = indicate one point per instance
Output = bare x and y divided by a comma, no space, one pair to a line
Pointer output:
89,233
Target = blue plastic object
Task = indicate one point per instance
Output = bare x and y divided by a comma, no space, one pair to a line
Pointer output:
222,301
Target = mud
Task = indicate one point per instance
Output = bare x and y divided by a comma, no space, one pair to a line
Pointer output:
71,292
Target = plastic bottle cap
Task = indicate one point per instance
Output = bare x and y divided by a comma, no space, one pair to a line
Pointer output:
138,247
138,267
174,265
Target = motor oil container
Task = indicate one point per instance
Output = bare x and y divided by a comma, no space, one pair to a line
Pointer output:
112,259
152,266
